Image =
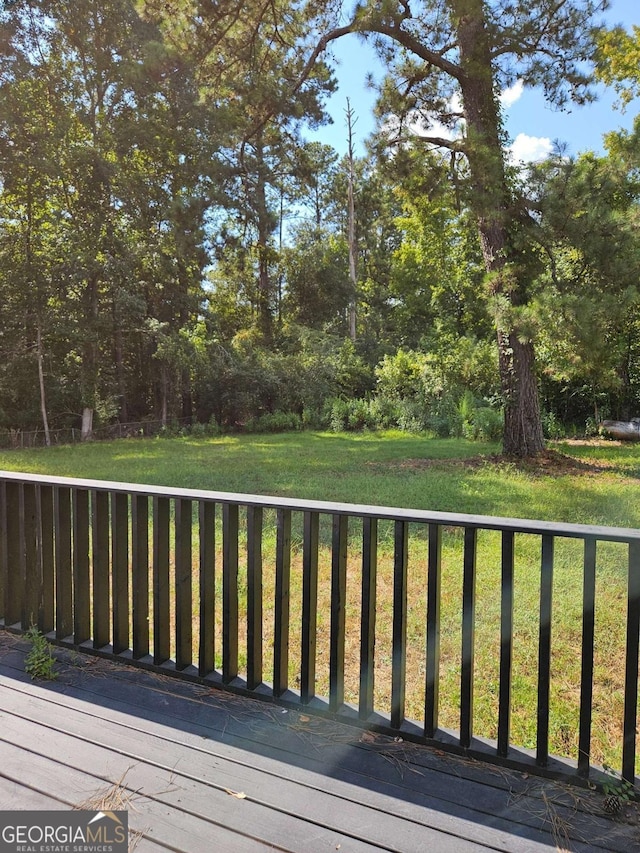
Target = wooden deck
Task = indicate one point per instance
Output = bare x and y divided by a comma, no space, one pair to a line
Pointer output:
201,770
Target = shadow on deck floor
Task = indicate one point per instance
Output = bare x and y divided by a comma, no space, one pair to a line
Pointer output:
202,770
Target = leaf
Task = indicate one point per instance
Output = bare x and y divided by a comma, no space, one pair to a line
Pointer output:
303,718
239,795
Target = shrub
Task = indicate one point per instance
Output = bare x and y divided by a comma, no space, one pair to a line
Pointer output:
338,415
274,422
552,427
413,416
488,424
39,662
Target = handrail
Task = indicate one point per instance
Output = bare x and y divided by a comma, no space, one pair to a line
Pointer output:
486,522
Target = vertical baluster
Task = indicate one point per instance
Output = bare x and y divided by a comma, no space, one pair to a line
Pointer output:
368,625
631,666
254,596
44,499
544,650
282,603
4,532
183,572
506,642
229,592
338,611
81,591
309,606
468,635
586,676
161,604
140,574
32,578
64,584
100,543
207,539
120,569
432,681
12,551
399,630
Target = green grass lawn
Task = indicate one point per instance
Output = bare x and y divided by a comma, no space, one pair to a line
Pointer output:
589,483
389,469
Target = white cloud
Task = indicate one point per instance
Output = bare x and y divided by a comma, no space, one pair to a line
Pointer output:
530,149
512,94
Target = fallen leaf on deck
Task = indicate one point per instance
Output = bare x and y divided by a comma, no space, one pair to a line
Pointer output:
303,718
239,795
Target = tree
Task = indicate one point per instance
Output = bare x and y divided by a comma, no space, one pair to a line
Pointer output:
587,300
248,58
447,60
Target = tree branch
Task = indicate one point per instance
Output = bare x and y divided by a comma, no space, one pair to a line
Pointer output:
437,141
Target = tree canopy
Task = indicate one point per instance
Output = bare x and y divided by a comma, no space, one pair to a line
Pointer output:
173,247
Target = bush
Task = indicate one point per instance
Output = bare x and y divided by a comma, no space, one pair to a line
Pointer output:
274,422
488,424
384,413
413,416
552,427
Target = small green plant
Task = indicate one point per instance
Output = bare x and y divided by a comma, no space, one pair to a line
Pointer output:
618,792
39,662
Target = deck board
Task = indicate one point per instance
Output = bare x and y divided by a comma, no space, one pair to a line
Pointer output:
180,751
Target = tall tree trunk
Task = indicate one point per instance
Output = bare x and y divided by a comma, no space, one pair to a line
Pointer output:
352,228
43,397
492,207
118,352
264,226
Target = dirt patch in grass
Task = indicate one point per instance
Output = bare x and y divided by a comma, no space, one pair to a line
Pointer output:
550,463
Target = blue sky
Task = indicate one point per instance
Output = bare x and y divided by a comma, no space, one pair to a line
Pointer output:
531,123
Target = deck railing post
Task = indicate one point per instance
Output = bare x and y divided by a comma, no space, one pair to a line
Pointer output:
120,570
368,625
64,574
282,602
230,523
588,639
338,611
399,629
506,642
44,503
309,606
432,680
468,636
207,541
3,552
81,588
183,583
13,588
140,574
161,586
100,560
544,650
32,576
254,597
631,666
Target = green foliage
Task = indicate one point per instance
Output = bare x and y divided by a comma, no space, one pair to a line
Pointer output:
274,422
39,662
553,426
618,792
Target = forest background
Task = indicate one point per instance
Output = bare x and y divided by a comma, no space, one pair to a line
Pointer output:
173,249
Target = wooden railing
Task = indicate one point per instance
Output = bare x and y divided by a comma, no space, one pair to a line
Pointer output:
139,573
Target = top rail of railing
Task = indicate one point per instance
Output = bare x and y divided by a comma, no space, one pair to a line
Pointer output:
453,519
